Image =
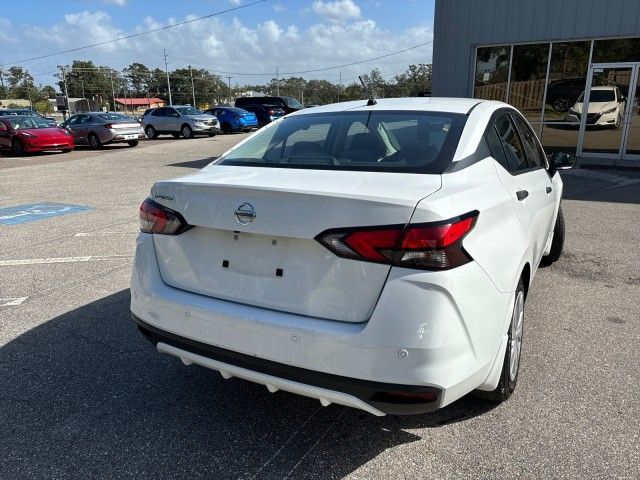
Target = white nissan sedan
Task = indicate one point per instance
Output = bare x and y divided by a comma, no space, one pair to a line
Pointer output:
370,254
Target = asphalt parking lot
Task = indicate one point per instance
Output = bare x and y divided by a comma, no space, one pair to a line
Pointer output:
84,395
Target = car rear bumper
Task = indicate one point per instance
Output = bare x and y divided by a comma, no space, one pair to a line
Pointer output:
420,337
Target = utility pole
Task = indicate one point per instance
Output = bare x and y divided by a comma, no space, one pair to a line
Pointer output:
113,92
166,69
277,81
339,86
193,90
229,88
29,95
66,91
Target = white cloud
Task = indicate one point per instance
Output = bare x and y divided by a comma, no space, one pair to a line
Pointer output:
337,11
279,8
119,3
235,2
222,45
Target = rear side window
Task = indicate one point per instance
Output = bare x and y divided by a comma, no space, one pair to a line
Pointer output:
395,141
511,143
159,112
495,146
531,147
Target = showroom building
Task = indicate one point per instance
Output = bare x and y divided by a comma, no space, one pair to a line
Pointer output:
553,60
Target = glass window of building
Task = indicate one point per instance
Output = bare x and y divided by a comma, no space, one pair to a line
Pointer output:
528,76
567,78
618,50
492,73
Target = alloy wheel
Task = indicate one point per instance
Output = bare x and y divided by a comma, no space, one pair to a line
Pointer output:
517,327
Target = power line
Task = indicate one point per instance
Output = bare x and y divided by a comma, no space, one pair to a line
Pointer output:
133,35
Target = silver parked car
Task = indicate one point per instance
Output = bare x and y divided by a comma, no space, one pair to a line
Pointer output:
101,128
179,120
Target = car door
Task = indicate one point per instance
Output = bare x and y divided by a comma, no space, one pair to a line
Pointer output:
157,119
5,136
526,179
74,125
172,120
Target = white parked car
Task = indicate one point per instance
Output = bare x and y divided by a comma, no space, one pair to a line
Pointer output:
606,107
375,256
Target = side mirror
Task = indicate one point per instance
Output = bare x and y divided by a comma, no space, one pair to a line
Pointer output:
561,161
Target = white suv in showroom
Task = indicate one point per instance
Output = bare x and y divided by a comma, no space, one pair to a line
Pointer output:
179,120
371,254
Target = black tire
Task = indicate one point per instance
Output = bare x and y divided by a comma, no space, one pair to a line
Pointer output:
94,141
561,104
509,379
175,135
187,131
226,128
557,244
66,150
211,134
150,132
133,143
16,148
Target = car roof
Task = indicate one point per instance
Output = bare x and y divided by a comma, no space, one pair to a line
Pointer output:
426,104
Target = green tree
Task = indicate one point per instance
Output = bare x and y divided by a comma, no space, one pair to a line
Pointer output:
416,79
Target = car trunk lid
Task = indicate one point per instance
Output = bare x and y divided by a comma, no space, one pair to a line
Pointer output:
273,261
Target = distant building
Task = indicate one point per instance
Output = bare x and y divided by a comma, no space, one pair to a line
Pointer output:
138,103
15,103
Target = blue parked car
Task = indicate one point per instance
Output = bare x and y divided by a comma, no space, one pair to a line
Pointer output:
234,119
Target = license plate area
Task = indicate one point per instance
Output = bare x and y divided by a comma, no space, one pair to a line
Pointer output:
255,255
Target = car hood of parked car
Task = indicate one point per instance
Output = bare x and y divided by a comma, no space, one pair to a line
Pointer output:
595,107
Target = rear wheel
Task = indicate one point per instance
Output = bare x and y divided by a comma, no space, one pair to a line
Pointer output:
226,128
187,131
211,134
16,148
66,150
150,132
557,244
133,143
94,141
511,365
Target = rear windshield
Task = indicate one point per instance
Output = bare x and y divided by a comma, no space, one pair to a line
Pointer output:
393,141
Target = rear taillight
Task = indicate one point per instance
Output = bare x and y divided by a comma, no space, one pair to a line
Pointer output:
270,112
108,126
156,218
426,246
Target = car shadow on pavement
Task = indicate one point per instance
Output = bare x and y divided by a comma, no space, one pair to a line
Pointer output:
85,395
197,164
602,185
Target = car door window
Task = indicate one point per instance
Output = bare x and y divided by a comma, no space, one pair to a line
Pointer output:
531,147
74,120
511,144
160,112
172,112
495,146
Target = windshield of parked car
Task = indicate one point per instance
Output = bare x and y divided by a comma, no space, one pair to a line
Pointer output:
23,123
395,141
188,110
17,112
599,96
292,102
114,116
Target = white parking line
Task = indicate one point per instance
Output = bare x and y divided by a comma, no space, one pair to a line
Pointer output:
98,234
41,261
12,301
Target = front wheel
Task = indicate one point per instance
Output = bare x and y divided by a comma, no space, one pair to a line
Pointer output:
94,141
511,365
211,134
557,243
16,148
187,131
133,143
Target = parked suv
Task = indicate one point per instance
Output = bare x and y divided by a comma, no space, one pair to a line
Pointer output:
288,104
179,120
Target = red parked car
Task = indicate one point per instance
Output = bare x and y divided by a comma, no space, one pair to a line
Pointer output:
23,134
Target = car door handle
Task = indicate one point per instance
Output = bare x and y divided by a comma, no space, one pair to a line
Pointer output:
522,194
549,189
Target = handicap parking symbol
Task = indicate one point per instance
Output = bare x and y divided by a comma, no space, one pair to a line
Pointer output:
37,211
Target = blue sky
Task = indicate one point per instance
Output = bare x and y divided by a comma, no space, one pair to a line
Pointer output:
292,35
